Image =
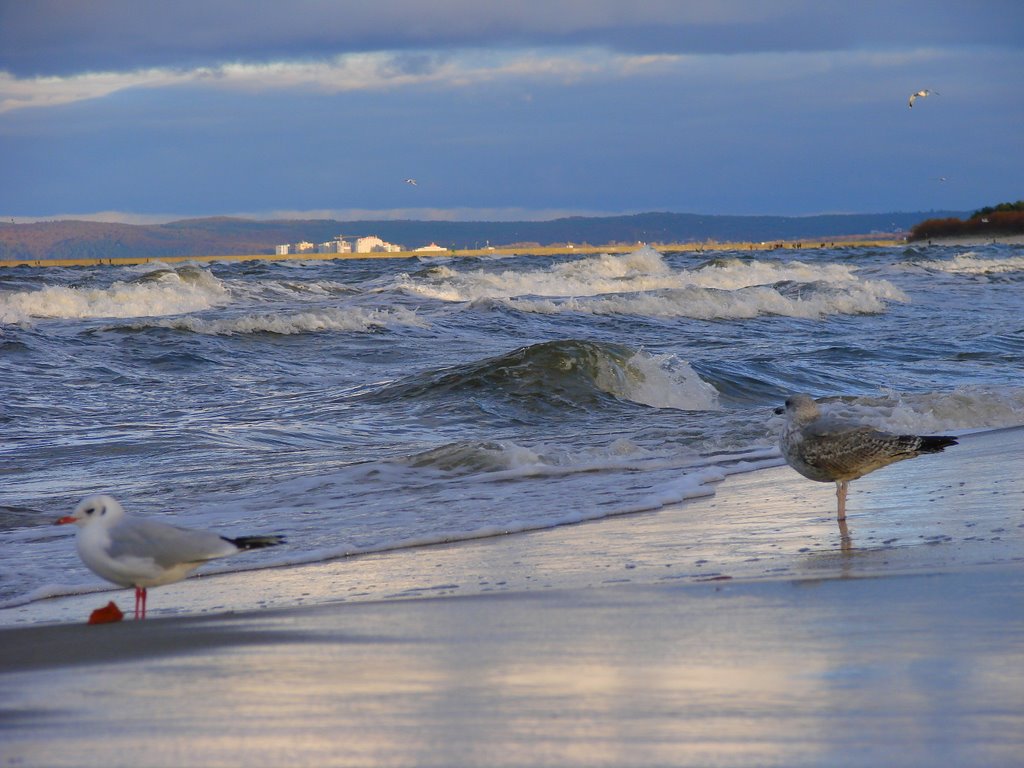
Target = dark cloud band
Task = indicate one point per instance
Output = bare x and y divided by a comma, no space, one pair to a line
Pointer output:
53,37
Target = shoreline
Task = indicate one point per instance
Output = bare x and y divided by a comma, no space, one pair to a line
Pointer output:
702,247
968,242
938,513
734,630
689,247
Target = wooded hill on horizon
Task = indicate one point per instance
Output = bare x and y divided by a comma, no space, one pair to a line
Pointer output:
71,239
1001,219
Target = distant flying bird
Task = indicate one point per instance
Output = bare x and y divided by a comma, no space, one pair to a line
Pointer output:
134,552
411,181
830,449
920,95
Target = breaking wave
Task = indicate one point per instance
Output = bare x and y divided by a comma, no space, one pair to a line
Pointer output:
643,283
784,299
158,293
971,263
352,319
966,408
569,372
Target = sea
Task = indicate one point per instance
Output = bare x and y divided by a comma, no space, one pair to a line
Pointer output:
374,405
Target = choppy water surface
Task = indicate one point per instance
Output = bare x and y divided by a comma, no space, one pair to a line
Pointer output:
363,405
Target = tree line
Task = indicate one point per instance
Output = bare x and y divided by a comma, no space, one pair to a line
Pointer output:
1002,219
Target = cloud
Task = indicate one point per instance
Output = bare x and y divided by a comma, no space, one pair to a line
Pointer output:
18,93
54,37
562,105
53,52
352,72
391,70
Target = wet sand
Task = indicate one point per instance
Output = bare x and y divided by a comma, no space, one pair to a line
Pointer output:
768,641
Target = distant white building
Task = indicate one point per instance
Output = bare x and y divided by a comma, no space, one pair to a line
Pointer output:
337,245
373,244
432,248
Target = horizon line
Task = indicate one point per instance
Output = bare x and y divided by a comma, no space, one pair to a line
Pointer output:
468,215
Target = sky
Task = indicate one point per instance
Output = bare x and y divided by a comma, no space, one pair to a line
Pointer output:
145,111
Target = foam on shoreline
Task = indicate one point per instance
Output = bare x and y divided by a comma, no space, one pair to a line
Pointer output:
950,511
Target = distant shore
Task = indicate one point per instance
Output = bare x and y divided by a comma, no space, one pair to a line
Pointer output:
526,250
968,242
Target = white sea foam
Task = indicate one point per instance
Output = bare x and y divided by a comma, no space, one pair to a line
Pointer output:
733,274
643,283
661,381
313,321
260,292
497,474
642,270
866,297
306,288
507,460
966,408
48,591
971,264
684,481
164,292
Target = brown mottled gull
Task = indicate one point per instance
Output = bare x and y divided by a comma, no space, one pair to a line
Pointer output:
829,449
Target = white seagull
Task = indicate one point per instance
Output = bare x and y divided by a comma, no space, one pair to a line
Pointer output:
411,181
830,449
134,552
920,95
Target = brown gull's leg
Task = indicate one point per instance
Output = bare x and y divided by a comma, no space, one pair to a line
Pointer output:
841,486
845,542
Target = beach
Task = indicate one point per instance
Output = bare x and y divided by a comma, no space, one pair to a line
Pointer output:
709,246
445,385
771,641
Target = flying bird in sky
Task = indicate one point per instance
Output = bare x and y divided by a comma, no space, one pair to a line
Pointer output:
920,95
140,553
411,181
829,449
